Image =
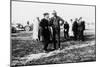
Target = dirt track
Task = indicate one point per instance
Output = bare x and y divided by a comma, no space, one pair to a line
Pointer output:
28,52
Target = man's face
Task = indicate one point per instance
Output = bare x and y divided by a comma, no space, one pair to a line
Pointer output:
65,22
47,16
76,19
54,14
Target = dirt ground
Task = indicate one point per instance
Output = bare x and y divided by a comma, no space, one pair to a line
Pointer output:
25,51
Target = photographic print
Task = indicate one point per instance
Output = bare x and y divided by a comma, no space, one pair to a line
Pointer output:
52,33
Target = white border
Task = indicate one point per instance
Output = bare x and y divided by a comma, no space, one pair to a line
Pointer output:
5,33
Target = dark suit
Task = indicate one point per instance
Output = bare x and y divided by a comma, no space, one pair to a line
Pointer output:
45,32
75,29
55,23
81,28
66,30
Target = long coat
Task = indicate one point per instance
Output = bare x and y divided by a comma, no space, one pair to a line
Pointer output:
44,24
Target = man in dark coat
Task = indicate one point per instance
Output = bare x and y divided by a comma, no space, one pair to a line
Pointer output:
55,22
44,23
75,29
66,30
81,28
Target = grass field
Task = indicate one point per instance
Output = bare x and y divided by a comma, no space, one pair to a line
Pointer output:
71,51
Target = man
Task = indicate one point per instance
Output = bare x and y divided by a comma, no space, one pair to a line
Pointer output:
55,22
81,28
27,24
75,28
66,30
45,30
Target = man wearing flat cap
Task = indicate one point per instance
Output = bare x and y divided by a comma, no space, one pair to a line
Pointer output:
44,24
55,23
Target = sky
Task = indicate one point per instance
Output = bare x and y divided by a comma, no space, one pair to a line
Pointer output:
28,11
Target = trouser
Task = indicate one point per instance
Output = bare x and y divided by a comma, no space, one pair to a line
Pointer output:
46,42
66,34
40,36
56,37
81,35
75,34
46,37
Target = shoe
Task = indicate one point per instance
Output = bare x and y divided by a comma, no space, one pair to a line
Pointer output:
45,51
52,49
59,48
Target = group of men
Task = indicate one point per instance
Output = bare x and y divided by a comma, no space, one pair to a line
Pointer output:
54,23
46,23
78,29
